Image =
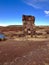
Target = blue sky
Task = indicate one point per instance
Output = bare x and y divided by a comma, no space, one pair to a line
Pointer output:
11,11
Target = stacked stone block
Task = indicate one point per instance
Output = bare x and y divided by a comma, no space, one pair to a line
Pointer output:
28,24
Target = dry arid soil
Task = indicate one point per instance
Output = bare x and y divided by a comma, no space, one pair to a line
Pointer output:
14,52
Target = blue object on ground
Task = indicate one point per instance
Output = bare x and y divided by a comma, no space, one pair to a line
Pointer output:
2,36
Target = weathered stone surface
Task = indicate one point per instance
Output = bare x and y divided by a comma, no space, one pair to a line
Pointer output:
28,24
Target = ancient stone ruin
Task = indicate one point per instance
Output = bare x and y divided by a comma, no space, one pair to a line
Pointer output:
28,24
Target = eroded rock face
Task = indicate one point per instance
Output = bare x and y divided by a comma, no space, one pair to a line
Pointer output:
28,24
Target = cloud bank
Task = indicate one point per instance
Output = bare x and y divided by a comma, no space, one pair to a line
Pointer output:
2,24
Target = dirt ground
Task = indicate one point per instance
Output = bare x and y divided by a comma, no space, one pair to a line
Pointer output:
14,52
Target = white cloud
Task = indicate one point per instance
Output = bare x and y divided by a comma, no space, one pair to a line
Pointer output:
46,12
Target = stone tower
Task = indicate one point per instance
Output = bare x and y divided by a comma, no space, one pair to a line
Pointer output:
28,24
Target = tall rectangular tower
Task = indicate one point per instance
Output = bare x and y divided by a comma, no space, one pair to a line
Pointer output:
28,24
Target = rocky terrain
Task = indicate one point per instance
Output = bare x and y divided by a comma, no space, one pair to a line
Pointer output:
14,52
20,28
11,28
